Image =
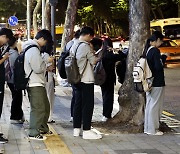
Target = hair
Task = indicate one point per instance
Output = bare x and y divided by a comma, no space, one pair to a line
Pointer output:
44,34
12,41
107,42
48,48
7,32
154,37
97,43
86,30
77,34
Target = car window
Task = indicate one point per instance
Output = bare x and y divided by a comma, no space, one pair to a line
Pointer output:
168,43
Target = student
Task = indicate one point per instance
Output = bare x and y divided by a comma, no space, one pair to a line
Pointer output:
49,60
154,98
5,36
17,115
39,103
84,91
109,59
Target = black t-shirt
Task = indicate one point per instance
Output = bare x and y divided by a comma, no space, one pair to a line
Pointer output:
156,65
2,72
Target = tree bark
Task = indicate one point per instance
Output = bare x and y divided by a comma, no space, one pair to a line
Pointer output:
69,22
35,12
47,15
132,103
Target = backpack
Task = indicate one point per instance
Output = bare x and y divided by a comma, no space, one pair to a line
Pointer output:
99,73
72,69
142,75
20,80
61,63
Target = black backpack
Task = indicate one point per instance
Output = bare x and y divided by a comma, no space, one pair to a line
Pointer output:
20,80
61,63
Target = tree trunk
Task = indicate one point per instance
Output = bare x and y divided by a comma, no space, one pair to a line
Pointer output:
160,12
179,9
69,22
35,12
132,103
47,15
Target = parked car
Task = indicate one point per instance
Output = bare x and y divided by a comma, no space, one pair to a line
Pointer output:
170,49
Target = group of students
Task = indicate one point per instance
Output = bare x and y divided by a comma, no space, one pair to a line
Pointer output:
88,51
39,61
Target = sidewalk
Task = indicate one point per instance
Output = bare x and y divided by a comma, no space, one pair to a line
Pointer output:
63,141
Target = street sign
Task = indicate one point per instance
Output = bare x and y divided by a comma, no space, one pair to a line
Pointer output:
13,21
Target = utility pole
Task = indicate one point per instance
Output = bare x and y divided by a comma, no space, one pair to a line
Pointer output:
43,14
28,19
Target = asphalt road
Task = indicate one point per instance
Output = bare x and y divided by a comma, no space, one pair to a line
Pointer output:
172,92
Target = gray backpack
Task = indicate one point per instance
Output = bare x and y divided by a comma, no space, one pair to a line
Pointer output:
72,69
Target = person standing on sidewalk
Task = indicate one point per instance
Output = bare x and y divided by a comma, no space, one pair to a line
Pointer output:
109,60
49,60
154,98
84,91
39,103
5,36
17,115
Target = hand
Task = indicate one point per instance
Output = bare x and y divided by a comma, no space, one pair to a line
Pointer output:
50,59
50,68
6,55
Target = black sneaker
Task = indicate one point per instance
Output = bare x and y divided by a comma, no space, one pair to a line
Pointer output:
49,133
38,137
3,140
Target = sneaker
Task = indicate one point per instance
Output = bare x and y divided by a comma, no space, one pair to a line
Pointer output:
157,133
3,140
49,133
51,121
38,137
71,119
76,132
91,135
104,119
17,121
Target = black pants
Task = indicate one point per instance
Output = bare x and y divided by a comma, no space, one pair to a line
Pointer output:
16,105
108,98
1,97
84,105
72,100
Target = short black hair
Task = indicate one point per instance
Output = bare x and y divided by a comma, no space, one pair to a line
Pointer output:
97,43
12,41
7,32
46,34
87,30
77,34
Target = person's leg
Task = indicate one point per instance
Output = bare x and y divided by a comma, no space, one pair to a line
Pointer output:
16,105
37,112
77,111
72,100
87,105
1,97
108,99
51,96
153,110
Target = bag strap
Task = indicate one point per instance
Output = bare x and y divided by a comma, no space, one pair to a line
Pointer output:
26,49
149,50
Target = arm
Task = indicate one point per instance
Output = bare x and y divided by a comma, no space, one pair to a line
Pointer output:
6,56
158,64
36,62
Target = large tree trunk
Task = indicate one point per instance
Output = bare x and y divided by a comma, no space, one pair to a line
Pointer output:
47,15
69,22
35,12
131,102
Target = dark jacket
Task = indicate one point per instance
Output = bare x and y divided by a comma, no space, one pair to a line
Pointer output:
109,60
2,72
156,65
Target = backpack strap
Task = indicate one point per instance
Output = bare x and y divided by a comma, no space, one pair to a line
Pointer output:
149,50
26,49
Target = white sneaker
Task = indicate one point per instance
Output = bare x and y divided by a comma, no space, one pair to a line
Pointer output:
91,135
71,119
104,119
157,133
76,132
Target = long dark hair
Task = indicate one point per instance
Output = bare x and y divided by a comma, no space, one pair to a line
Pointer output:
106,44
154,37
48,48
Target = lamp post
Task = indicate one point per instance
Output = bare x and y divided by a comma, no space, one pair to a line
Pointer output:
28,19
43,14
